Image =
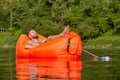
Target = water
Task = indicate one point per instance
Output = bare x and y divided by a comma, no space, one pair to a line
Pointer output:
7,64
61,69
102,70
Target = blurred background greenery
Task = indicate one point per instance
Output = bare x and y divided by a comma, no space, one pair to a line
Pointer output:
93,20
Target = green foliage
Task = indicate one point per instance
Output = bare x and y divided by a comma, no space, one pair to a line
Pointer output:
4,16
91,19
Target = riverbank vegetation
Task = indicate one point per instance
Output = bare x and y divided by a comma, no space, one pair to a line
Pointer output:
97,21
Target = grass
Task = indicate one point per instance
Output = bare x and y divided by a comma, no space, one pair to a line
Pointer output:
92,70
104,41
8,39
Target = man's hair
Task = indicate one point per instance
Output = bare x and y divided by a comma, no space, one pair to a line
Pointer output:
27,32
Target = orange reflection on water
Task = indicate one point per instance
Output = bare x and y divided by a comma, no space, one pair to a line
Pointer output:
48,69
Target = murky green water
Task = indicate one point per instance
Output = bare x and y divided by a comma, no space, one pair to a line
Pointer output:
92,70
101,70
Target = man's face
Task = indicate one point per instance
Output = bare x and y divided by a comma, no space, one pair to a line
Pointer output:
33,34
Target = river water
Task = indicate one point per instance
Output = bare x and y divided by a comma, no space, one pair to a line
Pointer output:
61,69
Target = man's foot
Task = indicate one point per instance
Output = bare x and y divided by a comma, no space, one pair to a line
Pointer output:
65,32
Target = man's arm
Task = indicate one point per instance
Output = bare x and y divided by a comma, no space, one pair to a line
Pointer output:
30,44
42,41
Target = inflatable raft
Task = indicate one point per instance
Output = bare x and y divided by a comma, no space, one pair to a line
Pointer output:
60,55
69,46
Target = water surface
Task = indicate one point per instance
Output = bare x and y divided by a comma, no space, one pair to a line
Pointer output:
60,69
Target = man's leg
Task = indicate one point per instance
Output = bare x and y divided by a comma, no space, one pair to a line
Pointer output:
64,33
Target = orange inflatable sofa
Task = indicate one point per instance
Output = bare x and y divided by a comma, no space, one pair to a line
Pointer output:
68,46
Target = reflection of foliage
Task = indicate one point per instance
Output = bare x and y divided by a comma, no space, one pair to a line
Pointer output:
90,19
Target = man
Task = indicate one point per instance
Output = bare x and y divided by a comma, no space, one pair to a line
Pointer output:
33,35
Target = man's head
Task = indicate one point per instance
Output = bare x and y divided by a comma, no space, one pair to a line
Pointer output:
32,34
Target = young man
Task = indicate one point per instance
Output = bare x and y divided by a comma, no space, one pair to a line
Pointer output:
33,35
